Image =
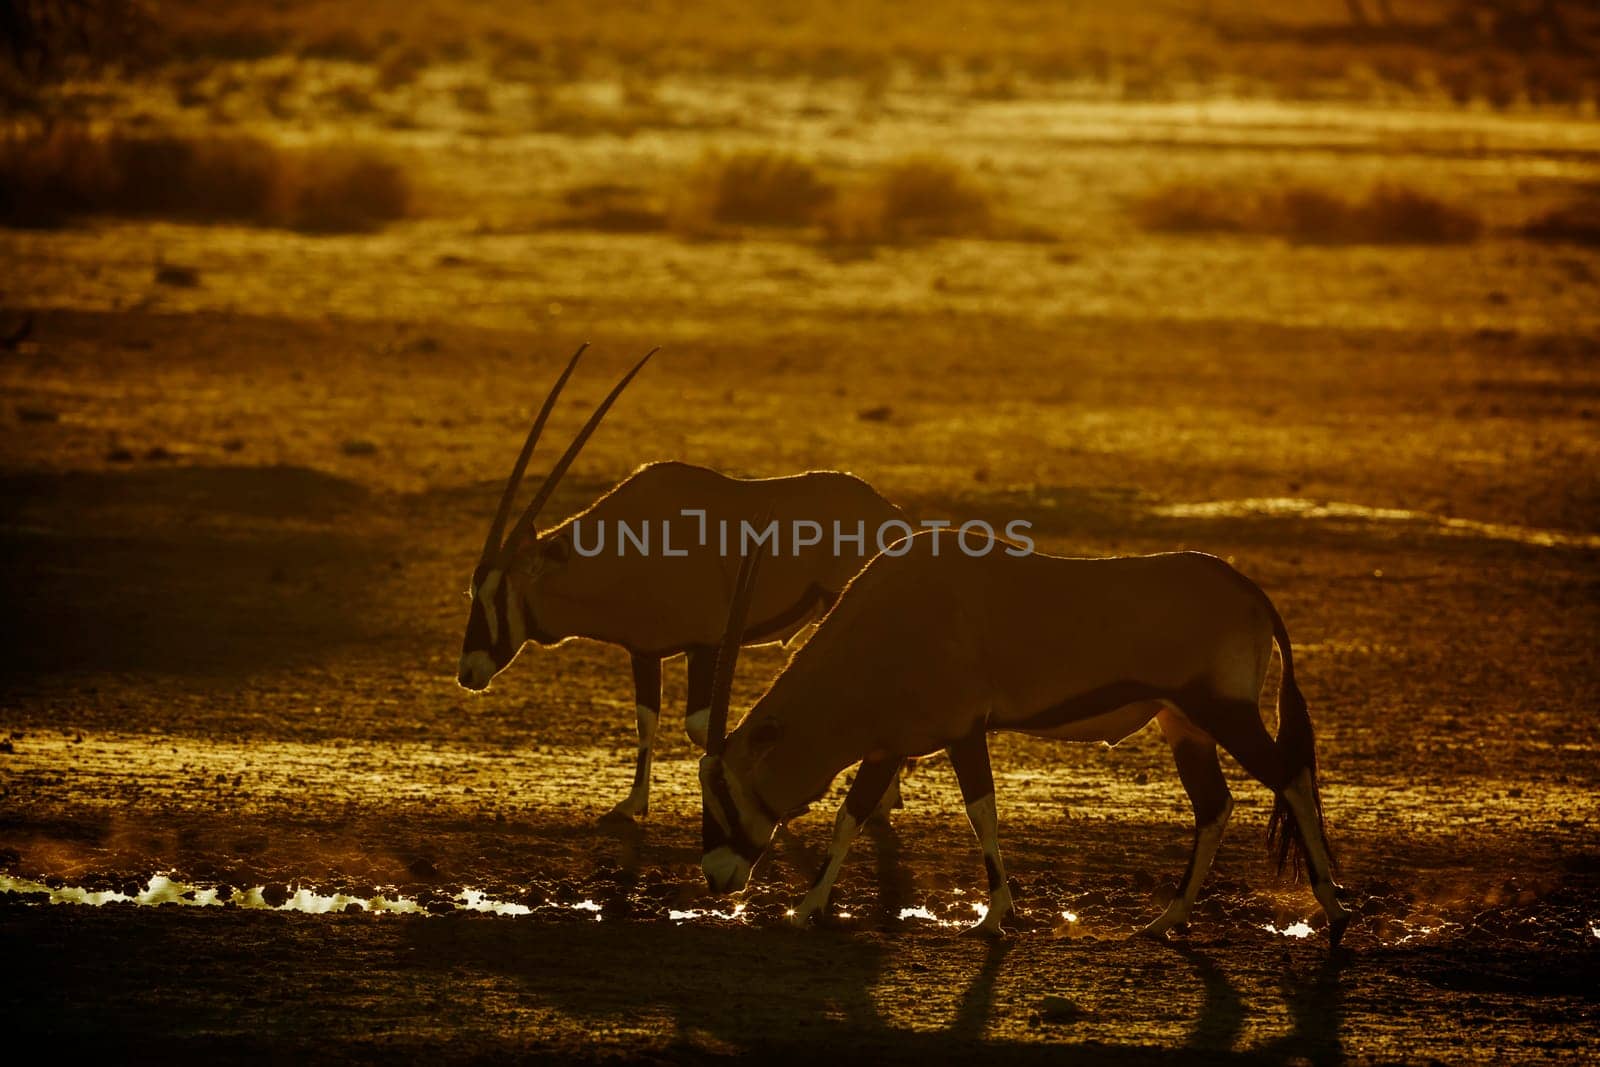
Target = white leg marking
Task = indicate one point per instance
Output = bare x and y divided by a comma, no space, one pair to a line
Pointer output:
890,799
698,722
986,824
1298,794
637,802
1206,841
844,832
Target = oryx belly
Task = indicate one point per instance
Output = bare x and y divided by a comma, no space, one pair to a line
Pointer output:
1108,726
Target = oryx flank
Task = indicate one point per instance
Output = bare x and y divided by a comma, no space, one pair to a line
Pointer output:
933,649
537,586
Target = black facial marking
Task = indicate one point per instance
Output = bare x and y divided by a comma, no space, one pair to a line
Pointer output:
712,832
477,639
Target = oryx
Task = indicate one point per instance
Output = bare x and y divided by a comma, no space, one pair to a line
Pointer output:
941,640
644,567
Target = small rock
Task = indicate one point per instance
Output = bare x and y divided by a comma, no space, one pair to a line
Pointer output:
6,747
29,413
358,446
158,453
880,413
422,867
120,455
179,277
1060,1010
233,444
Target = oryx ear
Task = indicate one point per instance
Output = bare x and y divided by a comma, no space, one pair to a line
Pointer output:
555,550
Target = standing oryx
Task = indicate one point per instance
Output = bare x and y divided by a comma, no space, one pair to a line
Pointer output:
643,568
930,649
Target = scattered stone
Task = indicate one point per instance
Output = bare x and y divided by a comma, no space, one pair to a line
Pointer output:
880,413
422,867
1060,1010
30,413
176,276
233,444
358,446
6,747
120,455
158,453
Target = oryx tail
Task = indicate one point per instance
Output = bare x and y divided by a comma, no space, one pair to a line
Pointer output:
1297,743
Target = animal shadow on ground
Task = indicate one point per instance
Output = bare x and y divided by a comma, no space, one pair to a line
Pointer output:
774,993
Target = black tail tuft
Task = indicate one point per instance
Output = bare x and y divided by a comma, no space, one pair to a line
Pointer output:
1298,746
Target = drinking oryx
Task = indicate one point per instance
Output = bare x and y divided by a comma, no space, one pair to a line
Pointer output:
930,649
642,567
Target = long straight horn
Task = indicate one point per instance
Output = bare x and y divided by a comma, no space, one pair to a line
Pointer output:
728,652
491,544
531,514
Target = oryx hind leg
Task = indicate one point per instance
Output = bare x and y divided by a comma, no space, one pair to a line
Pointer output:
647,702
1195,753
970,758
702,675
1237,727
871,780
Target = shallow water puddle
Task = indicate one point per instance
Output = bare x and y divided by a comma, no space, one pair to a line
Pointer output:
163,890
735,915
1336,511
1300,929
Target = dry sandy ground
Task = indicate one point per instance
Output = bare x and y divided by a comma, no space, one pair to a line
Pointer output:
239,517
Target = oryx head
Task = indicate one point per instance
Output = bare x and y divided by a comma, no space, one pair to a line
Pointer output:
511,568
736,827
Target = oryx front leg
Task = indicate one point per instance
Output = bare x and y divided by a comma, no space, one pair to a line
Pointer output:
871,780
702,671
1196,755
970,758
647,700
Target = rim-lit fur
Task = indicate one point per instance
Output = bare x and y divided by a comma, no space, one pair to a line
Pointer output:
660,605
933,649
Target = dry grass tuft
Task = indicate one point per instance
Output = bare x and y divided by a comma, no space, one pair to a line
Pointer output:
1576,223
1386,214
910,199
904,200
749,189
70,172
